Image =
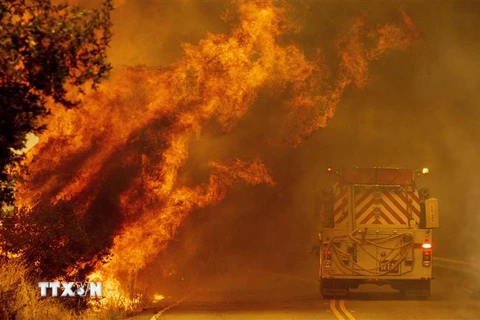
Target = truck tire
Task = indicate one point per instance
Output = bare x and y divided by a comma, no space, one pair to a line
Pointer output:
425,289
419,289
325,286
330,288
321,287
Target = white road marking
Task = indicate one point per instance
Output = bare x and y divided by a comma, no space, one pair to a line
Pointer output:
159,314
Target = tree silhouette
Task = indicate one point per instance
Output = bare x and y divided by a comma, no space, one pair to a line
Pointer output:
46,51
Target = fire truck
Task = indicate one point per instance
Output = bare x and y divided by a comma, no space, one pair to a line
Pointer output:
376,228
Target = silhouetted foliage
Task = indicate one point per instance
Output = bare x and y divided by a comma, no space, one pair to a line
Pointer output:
45,51
53,240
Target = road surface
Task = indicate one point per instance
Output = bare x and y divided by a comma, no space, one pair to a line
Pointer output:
284,296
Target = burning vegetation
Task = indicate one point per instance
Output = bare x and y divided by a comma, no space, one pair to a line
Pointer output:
105,175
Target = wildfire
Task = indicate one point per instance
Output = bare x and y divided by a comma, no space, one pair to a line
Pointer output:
140,124
115,296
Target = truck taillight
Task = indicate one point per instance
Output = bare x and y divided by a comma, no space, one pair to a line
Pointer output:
327,257
427,246
427,254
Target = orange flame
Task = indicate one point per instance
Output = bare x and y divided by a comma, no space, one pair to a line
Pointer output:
143,120
158,225
316,99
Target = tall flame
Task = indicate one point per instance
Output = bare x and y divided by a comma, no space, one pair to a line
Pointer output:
139,125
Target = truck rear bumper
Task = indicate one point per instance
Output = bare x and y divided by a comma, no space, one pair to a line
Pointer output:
407,287
383,278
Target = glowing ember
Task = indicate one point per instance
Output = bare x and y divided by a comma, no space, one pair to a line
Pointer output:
157,298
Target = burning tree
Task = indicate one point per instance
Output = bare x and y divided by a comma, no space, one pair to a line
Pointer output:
46,52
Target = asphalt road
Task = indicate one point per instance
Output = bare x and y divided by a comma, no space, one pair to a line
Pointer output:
283,296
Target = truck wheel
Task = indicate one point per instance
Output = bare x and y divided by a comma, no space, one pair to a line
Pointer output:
322,286
416,289
425,288
330,289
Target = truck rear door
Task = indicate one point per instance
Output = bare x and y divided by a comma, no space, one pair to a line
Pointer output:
385,206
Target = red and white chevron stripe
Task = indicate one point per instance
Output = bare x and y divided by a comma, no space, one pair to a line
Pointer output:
385,206
340,206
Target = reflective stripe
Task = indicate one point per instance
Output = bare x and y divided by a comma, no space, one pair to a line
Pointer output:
340,205
376,206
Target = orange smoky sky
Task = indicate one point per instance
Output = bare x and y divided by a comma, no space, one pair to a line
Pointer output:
123,155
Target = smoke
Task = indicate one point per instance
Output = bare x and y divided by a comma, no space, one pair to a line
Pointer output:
150,33
451,90
161,152
417,109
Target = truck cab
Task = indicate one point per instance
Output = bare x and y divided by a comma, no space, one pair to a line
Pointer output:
376,228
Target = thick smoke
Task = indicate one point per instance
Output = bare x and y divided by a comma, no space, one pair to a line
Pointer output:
404,109
417,109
